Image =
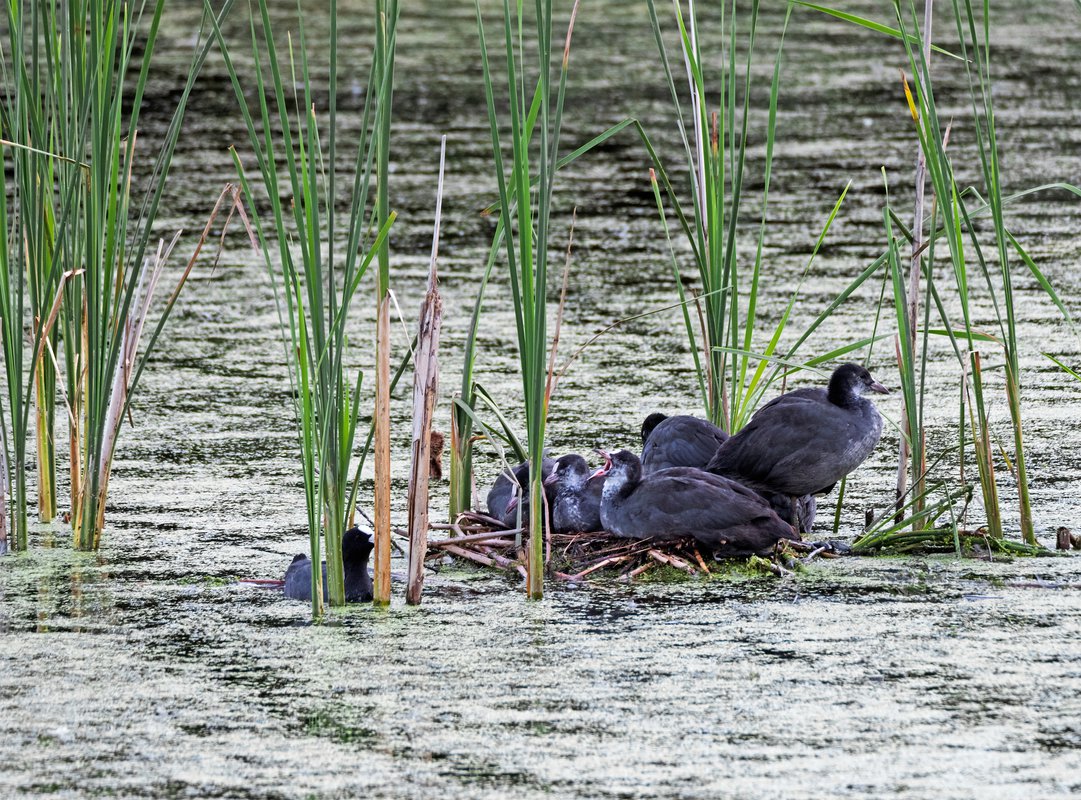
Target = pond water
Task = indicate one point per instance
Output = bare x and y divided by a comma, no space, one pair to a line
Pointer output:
145,670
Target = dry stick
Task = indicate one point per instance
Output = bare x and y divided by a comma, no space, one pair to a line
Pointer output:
607,562
473,556
490,537
634,573
701,561
483,519
425,388
914,284
674,561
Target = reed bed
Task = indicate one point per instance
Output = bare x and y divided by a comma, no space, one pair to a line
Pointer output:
535,118
81,267
315,276
981,261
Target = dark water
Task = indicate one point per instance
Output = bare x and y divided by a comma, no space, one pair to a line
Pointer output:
145,671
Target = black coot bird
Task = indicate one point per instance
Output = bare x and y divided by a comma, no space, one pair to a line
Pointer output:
721,514
577,502
356,547
684,441
503,495
680,441
803,442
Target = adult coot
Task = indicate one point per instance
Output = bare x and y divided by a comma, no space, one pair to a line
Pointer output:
503,495
803,442
722,514
577,502
356,547
680,441
685,441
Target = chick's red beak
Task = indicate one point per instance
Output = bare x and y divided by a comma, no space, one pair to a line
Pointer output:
607,463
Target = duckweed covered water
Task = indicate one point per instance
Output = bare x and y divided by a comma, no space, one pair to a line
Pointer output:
145,670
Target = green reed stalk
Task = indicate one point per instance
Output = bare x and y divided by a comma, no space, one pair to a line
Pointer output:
526,217
950,205
84,242
19,378
715,148
461,421
317,276
976,51
30,113
35,124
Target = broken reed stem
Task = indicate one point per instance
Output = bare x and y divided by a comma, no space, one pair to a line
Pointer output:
386,16
45,385
425,388
381,582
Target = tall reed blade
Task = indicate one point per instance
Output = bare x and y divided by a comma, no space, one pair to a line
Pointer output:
526,218
315,277
78,86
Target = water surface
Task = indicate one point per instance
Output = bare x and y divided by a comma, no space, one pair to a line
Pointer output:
146,671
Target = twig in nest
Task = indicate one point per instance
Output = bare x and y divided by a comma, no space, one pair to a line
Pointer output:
600,565
671,560
701,561
634,573
472,556
494,537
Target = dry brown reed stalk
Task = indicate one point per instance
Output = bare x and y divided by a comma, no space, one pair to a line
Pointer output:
913,299
425,388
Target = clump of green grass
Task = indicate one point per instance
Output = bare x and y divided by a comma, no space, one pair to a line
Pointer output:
315,275
79,257
525,214
977,259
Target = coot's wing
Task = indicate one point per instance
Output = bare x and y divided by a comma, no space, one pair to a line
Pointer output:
784,442
684,502
298,579
681,442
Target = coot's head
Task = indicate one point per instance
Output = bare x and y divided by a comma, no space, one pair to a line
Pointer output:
620,468
851,381
571,471
651,422
357,545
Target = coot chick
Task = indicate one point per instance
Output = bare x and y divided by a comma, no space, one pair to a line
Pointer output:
721,514
577,502
503,496
680,441
356,547
803,442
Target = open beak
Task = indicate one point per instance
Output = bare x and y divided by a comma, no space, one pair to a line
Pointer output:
607,463
878,387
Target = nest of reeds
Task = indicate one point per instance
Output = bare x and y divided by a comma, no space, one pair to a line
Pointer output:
573,557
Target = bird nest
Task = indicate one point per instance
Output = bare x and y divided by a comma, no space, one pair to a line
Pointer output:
573,557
